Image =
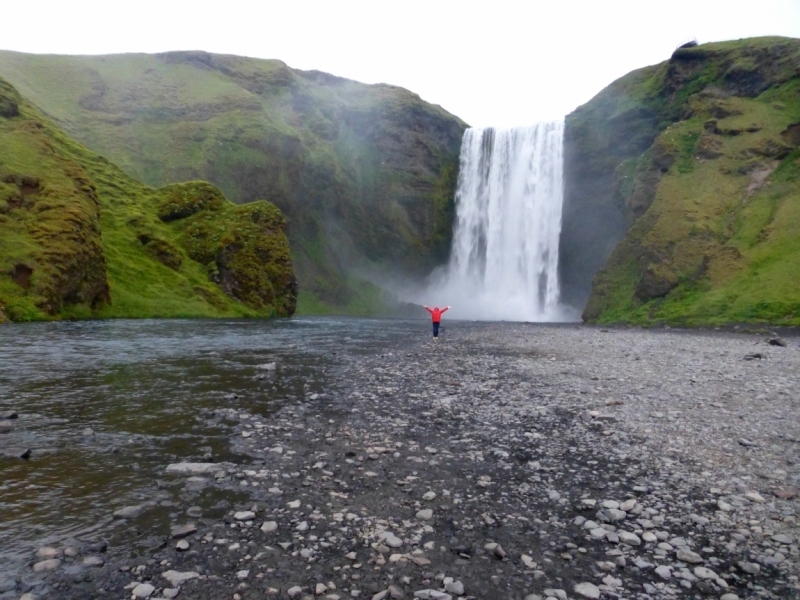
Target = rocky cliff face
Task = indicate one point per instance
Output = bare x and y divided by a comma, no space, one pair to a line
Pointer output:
689,171
365,174
79,238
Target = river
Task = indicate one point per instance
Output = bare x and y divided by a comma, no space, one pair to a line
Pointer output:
144,388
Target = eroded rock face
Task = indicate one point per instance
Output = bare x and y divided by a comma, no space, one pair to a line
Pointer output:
654,193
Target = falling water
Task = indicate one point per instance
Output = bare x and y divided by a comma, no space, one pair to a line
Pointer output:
504,261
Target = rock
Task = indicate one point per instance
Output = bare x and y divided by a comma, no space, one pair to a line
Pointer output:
176,578
244,515
243,574
7,415
23,453
628,505
587,590
194,468
182,546
93,561
29,596
269,526
293,504
687,556
664,572
170,593
393,541
6,426
598,533
745,442
129,512
321,589
755,497
46,553
294,591
649,537
46,565
631,539
429,496
88,432
143,590
425,514
704,573
777,342
181,531
268,366
396,591
729,597
455,587
750,568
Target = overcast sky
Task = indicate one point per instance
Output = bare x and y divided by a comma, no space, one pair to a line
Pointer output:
493,62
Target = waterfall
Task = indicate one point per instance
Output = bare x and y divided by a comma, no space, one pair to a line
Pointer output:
504,260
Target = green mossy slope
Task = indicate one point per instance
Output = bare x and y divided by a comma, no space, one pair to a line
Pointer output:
699,155
365,174
79,238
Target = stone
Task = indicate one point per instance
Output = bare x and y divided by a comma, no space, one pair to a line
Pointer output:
455,587
170,593
628,505
630,539
243,574
320,589
143,590
664,572
587,590
704,573
46,553
425,514
269,526
93,561
293,504
128,512
429,496
244,515
176,578
268,366
23,453
687,556
755,497
598,533
393,541
294,591
182,546
729,597
649,537
193,468
7,415
46,565
750,568
6,426
181,531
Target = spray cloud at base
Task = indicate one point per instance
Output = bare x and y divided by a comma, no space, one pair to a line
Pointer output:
504,260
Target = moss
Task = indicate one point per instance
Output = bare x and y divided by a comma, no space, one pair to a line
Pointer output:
713,199
80,239
374,164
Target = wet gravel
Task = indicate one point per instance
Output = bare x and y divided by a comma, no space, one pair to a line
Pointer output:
504,461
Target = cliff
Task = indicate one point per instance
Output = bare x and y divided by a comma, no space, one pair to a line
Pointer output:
79,238
365,174
683,184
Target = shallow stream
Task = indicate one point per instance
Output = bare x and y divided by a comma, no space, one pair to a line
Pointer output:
144,389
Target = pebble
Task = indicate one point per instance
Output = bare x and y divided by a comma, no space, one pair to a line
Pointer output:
587,590
46,565
176,578
425,514
181,531
269,526
687,556
244,515
143,590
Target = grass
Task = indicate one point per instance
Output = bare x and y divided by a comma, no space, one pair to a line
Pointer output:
376,160
99,244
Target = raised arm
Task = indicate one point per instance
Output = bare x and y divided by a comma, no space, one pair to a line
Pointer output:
429,309
444,310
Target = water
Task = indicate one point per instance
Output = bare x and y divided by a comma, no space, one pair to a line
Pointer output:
141,386
504,260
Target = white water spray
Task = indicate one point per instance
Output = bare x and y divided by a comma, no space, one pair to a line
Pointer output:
504,261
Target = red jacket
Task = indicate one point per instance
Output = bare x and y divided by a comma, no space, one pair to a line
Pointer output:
436,314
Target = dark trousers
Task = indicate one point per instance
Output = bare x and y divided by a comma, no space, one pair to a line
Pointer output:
436,330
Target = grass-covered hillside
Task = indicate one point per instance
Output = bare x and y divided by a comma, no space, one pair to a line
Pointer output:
365,174
80,238
700,157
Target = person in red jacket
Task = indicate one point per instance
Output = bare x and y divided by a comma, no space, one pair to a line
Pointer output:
436,317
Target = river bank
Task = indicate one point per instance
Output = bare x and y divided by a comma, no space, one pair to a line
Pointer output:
502,461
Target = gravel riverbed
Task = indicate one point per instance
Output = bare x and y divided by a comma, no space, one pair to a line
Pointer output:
503,461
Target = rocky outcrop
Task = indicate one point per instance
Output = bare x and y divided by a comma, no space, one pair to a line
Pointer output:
79,238
365,174
687,170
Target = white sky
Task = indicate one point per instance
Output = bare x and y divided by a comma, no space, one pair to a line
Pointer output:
492,62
